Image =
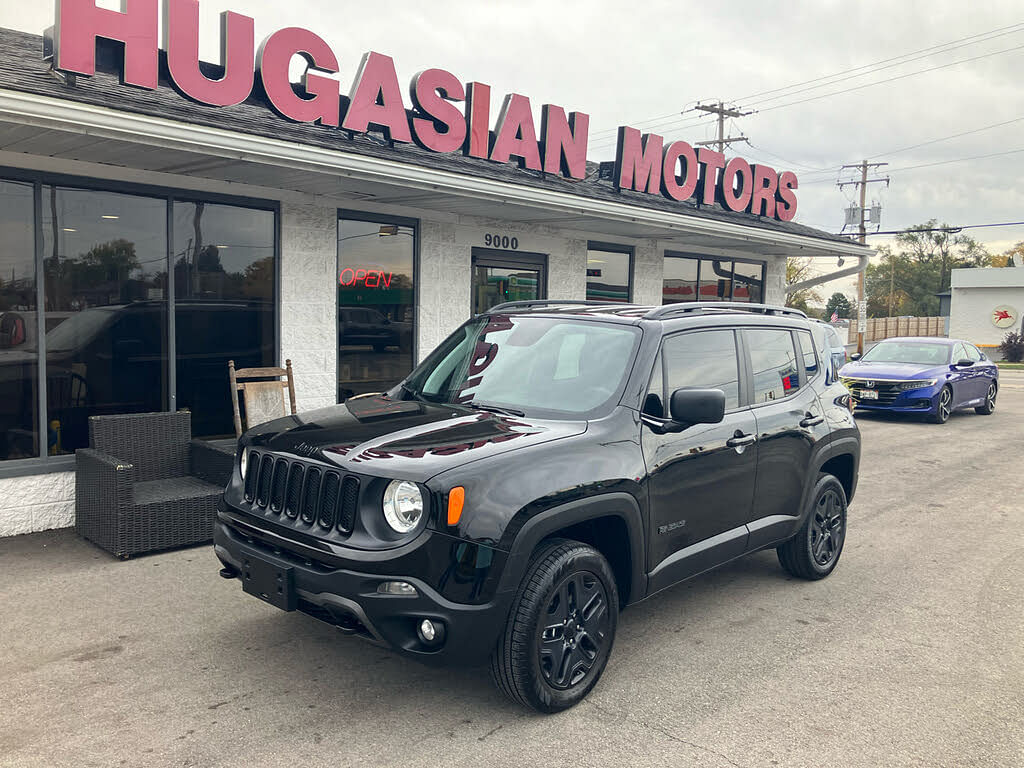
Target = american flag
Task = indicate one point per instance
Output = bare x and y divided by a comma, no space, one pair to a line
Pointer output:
834,318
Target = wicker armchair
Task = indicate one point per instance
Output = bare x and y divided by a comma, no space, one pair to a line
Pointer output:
145,485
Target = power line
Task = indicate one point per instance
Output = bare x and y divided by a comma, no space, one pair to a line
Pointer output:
886,61
891,79
950,229
938,162
954,136
674,117
879,69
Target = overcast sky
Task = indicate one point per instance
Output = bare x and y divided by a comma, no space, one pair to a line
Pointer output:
627,63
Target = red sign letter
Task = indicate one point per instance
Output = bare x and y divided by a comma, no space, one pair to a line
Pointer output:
432,92
375,80
736,185
786,209
80,22
670,180
565,141
237,48
478,119
275,55
515,134
638,161
712,162
766,181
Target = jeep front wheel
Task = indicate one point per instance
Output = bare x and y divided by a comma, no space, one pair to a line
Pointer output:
560,629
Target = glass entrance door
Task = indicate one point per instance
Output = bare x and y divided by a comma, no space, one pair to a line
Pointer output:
500,276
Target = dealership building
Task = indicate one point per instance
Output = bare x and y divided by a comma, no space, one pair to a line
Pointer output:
160,217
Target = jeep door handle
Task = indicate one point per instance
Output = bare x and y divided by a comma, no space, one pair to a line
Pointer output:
740,440
812,421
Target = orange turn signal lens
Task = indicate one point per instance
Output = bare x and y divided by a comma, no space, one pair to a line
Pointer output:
456,498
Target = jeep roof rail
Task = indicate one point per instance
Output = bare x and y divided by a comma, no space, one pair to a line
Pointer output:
671,310
527,303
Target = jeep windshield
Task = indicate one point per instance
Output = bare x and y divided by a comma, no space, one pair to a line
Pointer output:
541,366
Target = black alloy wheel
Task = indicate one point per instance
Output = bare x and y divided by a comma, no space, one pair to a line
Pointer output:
574,629
814,552
990,401
944,407
560,630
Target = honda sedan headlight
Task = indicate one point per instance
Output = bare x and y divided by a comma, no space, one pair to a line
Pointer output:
922,384
403,505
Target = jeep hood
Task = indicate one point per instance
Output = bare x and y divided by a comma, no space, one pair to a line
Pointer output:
405,439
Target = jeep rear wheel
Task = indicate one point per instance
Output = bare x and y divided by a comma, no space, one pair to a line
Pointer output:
560,630
814,552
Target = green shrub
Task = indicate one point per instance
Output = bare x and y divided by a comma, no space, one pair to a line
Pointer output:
1012,347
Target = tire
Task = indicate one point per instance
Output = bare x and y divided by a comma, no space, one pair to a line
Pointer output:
943,408
802,556
525,662
990,400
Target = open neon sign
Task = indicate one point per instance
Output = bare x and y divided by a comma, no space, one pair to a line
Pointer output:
371,278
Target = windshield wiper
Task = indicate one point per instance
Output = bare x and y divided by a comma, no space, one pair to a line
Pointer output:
493,408
410,391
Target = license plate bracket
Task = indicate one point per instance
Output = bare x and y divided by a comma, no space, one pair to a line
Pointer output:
868,394
272,583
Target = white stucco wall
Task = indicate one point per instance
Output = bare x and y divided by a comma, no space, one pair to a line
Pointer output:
975,293
37,503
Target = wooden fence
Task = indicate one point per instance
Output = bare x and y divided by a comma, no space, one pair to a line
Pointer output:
886,327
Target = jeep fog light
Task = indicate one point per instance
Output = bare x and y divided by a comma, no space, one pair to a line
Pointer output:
403,505
396,588
243,461
431,632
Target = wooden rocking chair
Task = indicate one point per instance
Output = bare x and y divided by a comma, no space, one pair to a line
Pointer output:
263,399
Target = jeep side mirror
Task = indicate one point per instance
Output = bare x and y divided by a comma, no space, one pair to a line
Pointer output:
697,406
856,356
964,363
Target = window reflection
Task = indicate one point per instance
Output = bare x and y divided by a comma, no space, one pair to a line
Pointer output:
224,277
705,278
715,280
680,281
104,261
19,399
375,305
608,274
748,282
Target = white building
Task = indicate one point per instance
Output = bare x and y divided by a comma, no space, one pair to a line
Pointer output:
985,304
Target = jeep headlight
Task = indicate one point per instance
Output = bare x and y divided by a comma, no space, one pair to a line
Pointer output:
243,461
403,505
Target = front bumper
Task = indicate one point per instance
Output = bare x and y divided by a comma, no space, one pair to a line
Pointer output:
348,598
920,400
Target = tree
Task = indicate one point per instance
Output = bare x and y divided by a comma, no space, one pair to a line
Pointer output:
798,270
1011,257
916,267
839,304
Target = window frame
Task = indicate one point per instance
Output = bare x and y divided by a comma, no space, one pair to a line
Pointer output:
699,258
749,364
44,463
741,394
628,250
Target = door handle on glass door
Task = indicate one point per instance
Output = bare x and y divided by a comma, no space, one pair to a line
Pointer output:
811,420
739,440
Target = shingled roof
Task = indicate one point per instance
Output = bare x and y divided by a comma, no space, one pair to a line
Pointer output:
23,69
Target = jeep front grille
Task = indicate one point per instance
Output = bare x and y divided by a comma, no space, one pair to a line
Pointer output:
305,495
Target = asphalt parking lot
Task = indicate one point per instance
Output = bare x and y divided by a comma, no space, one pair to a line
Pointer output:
910,654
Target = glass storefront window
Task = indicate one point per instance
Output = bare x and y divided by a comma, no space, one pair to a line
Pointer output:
376,304
706,278
19,365
224,281
680,281
608,272
105,267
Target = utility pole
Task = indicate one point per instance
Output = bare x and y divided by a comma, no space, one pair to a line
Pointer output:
723,112
862,182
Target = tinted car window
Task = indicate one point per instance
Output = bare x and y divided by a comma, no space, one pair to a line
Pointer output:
807,350
703,360
773,359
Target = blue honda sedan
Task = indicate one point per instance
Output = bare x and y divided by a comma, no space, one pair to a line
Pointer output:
924,375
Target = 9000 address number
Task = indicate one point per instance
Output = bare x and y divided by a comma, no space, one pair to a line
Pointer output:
501,241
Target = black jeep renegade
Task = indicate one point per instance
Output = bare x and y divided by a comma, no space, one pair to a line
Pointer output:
547,465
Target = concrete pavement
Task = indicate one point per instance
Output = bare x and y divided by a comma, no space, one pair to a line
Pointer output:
910,654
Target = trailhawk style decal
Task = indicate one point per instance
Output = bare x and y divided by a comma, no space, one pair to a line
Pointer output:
375,103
